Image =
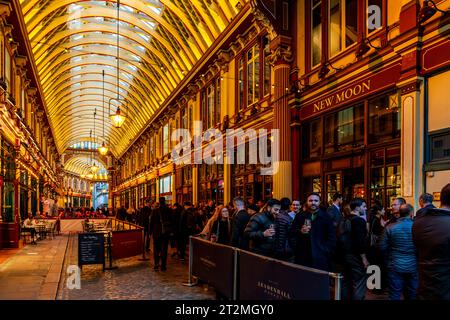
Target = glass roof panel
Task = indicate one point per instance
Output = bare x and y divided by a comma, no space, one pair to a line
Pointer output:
75,40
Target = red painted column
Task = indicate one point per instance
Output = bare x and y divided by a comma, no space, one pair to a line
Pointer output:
296,155
281,59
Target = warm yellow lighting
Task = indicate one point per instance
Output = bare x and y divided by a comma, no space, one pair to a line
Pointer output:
94,168
82,176
90,175
103,149
117,119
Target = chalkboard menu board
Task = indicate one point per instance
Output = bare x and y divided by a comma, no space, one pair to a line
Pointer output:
91,248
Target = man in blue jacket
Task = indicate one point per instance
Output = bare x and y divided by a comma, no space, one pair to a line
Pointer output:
313,236
397,244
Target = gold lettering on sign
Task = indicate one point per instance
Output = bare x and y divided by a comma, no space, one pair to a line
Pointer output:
342,96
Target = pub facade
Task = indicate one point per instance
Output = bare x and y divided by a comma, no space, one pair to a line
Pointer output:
360,106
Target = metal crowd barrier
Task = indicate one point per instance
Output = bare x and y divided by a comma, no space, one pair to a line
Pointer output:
317,276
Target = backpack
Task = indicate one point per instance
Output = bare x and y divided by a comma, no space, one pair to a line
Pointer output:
344,234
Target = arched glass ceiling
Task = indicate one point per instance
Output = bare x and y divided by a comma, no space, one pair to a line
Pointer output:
81,164
73,41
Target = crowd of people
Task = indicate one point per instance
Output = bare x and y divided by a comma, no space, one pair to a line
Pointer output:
82,213
410,248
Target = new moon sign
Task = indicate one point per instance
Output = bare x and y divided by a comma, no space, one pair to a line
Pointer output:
352,92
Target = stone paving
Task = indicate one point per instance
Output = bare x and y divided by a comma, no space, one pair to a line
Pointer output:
132,280
33,273
39,272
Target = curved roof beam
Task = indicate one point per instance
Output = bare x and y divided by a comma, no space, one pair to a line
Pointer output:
126,43
129,68
94,42
91,59
110,89
94,11
64,86
128,112
91,70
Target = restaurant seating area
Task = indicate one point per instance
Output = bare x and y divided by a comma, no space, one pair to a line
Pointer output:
42,229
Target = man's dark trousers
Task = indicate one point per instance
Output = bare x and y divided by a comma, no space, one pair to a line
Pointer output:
355,277
160,247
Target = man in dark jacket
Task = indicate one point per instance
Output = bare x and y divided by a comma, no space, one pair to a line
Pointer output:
313,236
355,259
398,246
122,213
161,229
143,219
260,230
283,222
186,228
426,203
240,221
334,211
431,236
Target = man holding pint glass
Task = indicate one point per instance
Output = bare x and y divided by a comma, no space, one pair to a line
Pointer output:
312,236
260,230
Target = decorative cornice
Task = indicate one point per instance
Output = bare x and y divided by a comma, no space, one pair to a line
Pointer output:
223,60
21,61
281,51
263,21
14,45
5,9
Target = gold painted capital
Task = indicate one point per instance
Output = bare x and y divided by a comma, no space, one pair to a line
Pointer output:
264,22
281,54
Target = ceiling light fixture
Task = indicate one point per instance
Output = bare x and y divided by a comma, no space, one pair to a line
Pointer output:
94,168
117,118
103,149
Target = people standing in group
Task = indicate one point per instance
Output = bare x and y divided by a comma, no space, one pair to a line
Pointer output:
398,246
352,249
143,220
161,228
296,207
260,204
313,236
218,228
260,230
376,229
425,203
130,214
334,211
395,209
431,236
283,222
239,222
210,208
176,215
186,228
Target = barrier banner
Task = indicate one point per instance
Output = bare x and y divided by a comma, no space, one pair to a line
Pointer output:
213,263
127,243
262,278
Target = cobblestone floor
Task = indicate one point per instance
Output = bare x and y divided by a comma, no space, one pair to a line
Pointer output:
132,280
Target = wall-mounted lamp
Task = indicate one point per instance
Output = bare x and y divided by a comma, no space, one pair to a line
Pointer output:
428,10
364,47
324,70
